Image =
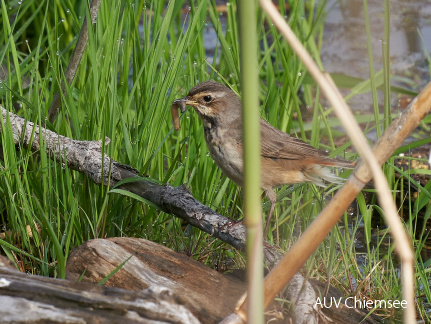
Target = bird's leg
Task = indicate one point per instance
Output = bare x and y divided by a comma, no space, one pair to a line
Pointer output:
231,223
272,198
271,209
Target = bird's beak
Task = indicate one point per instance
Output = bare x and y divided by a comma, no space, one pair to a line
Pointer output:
181,104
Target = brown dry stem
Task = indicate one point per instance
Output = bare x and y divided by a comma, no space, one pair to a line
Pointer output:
392,139
81,44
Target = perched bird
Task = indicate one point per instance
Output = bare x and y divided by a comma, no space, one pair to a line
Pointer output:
284,159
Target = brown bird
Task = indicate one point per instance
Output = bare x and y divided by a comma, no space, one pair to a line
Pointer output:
284,159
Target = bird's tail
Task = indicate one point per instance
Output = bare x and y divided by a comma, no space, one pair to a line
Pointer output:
337,163
319,173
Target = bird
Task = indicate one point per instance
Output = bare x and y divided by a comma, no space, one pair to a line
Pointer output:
285,159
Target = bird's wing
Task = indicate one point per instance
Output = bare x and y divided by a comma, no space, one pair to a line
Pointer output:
276,144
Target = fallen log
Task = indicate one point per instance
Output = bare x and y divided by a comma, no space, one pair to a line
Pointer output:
208,294
34,299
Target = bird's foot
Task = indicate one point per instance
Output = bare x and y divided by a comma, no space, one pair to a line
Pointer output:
231,223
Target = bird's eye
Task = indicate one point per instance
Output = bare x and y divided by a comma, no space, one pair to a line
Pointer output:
208,98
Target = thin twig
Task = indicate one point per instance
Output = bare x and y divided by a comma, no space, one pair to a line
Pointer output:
81,44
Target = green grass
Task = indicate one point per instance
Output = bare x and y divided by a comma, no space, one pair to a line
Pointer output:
140,57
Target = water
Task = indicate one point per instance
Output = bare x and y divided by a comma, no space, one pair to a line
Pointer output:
345,43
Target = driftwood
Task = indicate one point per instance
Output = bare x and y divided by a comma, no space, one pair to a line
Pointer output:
210,295
162,286
34,299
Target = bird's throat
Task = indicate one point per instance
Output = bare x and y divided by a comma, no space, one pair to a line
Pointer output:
210,123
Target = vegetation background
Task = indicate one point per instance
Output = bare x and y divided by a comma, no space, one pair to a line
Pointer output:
142,55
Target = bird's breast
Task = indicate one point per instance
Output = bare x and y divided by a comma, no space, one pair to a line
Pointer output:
226,153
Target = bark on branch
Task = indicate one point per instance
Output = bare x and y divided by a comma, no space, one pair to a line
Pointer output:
87,157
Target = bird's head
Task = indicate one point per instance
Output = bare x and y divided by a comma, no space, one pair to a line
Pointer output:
213,102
